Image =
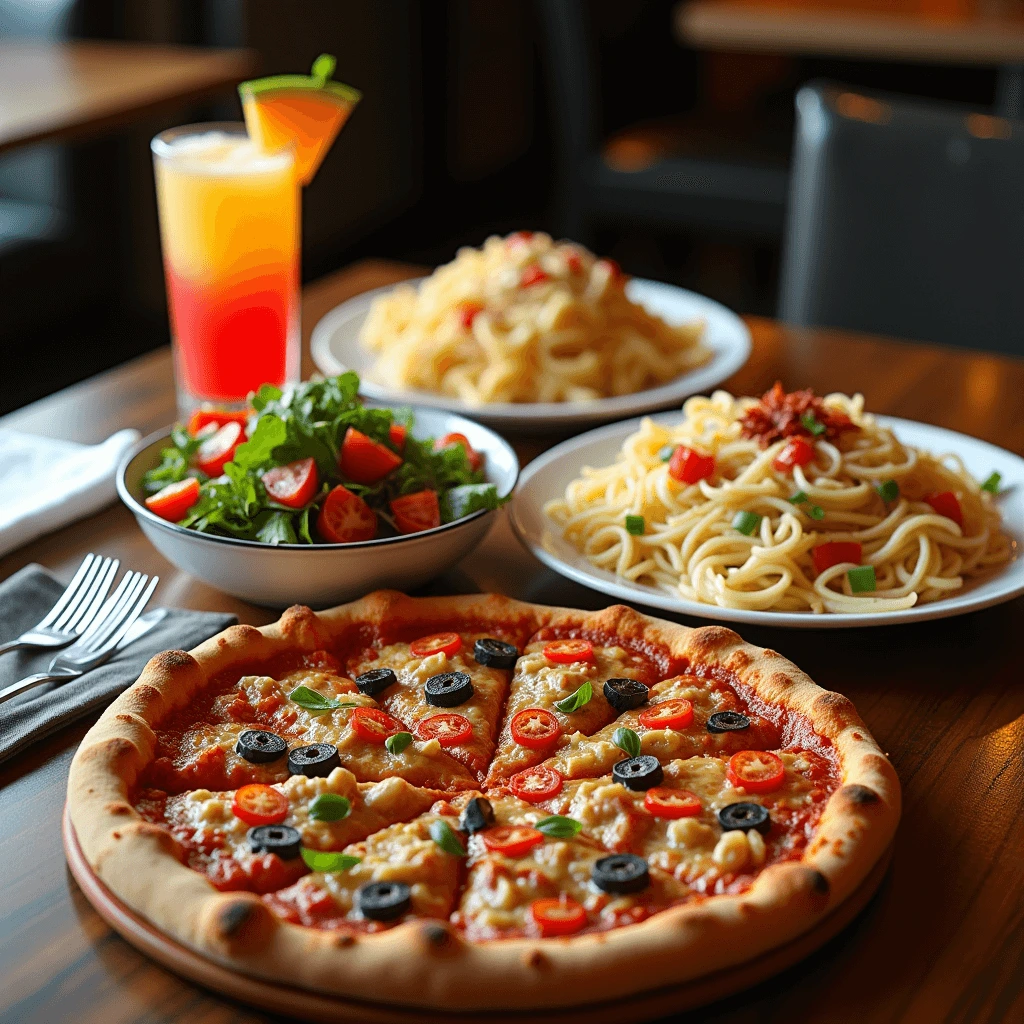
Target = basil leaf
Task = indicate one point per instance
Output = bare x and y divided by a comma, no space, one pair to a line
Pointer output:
320,860
316,702
397,742
442,834
576,700
627,740
636,525
992,483
330,807
558,827
810,422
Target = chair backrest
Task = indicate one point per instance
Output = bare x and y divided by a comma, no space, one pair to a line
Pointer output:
906,218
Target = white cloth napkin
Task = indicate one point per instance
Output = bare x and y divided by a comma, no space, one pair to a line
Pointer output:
46,483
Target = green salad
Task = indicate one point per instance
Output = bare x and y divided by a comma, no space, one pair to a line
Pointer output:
313,465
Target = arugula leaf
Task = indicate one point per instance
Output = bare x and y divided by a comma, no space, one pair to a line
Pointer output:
576,700
466,499
319,860
317,703
270,433
442,834
558,827
277,529
397,742
330,807
627,740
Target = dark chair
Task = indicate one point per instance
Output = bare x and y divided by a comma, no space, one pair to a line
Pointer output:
906,218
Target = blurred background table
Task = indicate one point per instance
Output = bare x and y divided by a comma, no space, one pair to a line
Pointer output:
940,941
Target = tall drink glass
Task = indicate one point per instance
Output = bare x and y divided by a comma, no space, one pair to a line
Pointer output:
230,231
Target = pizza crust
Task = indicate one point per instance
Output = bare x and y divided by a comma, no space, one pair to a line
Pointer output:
427,963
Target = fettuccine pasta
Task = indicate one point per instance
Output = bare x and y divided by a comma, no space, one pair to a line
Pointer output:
525,319
788,503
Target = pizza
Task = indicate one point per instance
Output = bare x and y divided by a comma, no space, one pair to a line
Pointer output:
490,804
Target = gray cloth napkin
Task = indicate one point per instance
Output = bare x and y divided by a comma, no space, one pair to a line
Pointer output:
24,599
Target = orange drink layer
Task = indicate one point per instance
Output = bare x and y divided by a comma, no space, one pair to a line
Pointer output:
230,230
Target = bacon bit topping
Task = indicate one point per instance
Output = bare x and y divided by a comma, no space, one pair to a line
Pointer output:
780,414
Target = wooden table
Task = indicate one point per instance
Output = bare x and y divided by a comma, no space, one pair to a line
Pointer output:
942,940
69,90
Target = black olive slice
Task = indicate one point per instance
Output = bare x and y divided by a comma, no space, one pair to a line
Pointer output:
621,873
383,901
260,747
727,721
377,680
625,694
744,817
315,761
639,773
448,690
478,815
283,840
495,653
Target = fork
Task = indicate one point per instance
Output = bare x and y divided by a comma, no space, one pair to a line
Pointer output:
99,642
75,609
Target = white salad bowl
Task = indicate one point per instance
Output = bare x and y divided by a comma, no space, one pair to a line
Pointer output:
320,575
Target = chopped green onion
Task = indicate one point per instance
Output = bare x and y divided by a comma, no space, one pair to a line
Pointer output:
746,522
321,860
665,453
329,807
810,422
862,579
397,742
627,740
442,834
635,525
798,498
558,827
992,483
815,512
889,491
316,703
576,700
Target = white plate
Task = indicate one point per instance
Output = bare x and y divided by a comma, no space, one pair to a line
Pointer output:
335,348
546,478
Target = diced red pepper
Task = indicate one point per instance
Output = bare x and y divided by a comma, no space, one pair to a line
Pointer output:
798,452
689,466
834,552
946,504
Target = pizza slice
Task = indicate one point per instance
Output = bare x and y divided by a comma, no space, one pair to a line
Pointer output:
409,867
257,837
446,687
559,690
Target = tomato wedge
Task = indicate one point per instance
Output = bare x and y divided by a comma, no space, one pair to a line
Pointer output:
364,461
218,417
397,434
448,644
663,802
448,729
834,552
756,771
174,500
535,728
416,512
293,485
536,784
476,460
561,916
512,840
219,449
257,804
345,518
564,652
669,714
946,504
798,452
374,725
688,466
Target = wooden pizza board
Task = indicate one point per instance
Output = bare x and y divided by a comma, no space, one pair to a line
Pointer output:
326,1009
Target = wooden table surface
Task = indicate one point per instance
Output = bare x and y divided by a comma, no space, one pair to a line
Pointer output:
982,32
941,942
63,90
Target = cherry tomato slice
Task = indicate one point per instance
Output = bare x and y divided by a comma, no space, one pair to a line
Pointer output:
397,434
689,466
671,803
946,504
561,916
219,449
345,518
257,804
448,729
533,275
669,714
374,725
512,840
416,512
363,460
798,452
476,460
468,312
834,552
293,485
564,652
448,644
535,728
536,784
174,500
218,417
756,771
